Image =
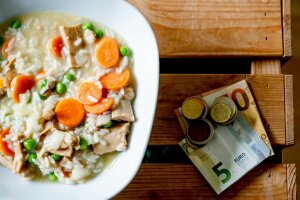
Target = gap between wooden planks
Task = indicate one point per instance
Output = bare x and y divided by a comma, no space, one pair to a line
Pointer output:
218,28
175,181
268,90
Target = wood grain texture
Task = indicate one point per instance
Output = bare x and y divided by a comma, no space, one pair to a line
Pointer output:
289,110
266,66
268,91
287,28
215,28
183,181
291,181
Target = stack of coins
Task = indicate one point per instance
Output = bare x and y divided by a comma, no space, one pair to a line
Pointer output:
199,133
200,130
223,111
194,108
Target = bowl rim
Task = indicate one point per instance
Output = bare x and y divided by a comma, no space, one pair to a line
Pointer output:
154,87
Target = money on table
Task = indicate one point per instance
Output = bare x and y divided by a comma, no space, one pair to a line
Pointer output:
236,148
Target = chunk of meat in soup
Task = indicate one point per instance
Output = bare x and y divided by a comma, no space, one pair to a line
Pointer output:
123,112
115,140
60,142
73,39
19,159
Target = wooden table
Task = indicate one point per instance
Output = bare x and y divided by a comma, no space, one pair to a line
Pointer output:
207,44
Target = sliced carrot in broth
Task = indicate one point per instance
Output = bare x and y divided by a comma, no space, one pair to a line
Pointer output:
55,46
100,107
115,81
19,85
88,93
2,83
5,46
107,52
4,149
69,112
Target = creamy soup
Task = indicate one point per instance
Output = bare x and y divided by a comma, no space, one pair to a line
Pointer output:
66,94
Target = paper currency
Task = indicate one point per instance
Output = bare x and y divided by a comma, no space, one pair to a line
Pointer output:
236,148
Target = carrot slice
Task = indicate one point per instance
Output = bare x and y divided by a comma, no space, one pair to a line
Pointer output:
115,81
99,107
19,85
107,52
3,144
4,47
2,83
69,112
55,46
88,93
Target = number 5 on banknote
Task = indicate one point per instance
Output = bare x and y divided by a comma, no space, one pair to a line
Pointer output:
220,171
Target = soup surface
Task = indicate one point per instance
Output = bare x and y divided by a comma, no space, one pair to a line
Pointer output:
66,92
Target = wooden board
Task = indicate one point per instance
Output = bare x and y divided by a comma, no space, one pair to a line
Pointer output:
266,66
268,91
289,110
215,28
184,181
286,28
291,181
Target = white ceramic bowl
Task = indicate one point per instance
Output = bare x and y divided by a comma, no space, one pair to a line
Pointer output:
133,27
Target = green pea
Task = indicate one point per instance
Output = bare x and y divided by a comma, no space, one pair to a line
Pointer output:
52,176
107,125
99,33
69,76
83,144
87,26
124,50
60,88
29,144
31,157
1,40
16,24
55,157
42,84
42,97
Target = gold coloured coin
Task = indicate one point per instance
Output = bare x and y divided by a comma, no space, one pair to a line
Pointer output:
220,112
192,108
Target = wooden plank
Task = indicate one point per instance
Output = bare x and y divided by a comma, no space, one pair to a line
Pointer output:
215,28
268,91
183,181
286,28
291,181
266,66
289,110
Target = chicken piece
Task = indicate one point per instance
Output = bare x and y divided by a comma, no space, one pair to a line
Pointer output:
10,63
46,91
59,142
123,112
28,173
10,72
48,127
115,140
129,93
19,158
6,162
73,39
